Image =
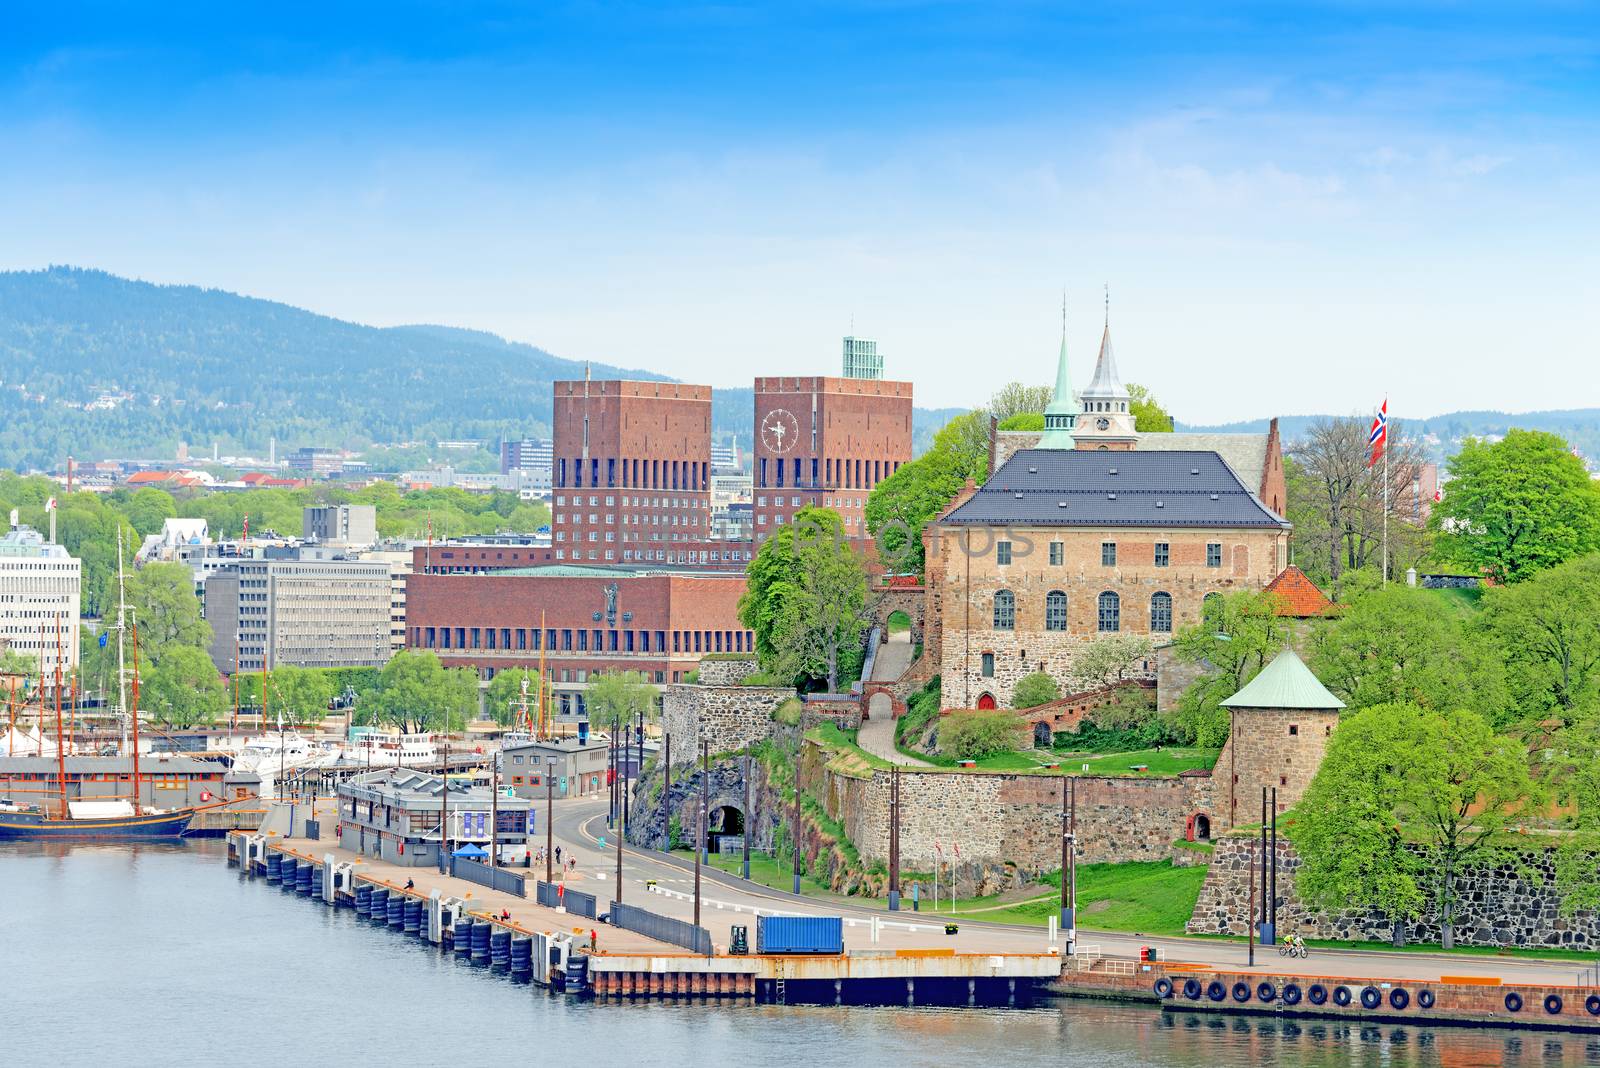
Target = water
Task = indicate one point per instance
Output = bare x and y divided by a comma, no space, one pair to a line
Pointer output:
162,955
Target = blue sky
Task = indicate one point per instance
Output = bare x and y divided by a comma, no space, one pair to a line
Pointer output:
1296,208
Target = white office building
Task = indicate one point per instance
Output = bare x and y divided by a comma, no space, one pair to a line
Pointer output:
41,585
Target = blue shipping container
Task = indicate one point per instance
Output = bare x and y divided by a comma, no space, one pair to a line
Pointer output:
800,934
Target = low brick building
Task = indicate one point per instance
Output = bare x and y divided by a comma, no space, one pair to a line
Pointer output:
577,620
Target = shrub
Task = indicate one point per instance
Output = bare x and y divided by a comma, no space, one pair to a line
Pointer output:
978,734
1034,690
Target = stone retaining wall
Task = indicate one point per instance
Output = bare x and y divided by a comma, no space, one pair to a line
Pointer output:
720,671
1498,907
729,717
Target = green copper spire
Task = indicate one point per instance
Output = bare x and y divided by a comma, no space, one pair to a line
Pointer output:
1061,415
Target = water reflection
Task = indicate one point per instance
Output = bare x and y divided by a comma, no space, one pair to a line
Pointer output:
160,954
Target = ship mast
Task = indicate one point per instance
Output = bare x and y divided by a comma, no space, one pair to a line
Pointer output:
135,717
61,752
122,613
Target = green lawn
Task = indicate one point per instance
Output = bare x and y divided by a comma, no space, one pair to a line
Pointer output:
1148,897
1466,600
1165,761
777,875
898,622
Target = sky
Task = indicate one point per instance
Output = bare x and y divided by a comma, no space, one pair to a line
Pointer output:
1294,208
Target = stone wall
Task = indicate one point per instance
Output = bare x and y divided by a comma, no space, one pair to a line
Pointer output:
1498,907
1173,676
1004,818
729,717
887,600
727,671
1271,749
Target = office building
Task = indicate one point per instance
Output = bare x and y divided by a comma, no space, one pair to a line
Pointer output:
351,525
41,586
307,607
861,359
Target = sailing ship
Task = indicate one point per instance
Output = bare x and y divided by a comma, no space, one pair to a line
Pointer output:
95,819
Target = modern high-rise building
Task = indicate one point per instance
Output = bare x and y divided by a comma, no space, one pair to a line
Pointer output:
306,607
861,359
41,585
826,441
528,454
632,470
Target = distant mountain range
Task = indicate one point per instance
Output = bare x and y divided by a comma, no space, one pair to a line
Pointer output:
95,366
1444,434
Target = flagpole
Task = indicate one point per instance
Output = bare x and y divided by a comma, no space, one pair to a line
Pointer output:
1385,503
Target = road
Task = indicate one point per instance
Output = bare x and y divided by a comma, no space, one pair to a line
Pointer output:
580,827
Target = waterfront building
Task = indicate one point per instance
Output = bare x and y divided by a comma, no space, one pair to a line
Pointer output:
41,584
572,767
1092,528
826,441
164,781
394,815
632,470
304,606
594,619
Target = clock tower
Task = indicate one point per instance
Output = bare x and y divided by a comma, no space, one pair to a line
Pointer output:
1106,421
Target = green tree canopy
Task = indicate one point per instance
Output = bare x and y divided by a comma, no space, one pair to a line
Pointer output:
973,735
1148,414
1395,775
616,699
161,601
1035,690
1238,634
301,694
805,599
1399,644
417,694
1548,629
902,504
1518,506
183,689
1017,398
1112,658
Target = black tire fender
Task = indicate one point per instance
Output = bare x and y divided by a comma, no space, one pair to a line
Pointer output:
1216,991
1291,994
1513,1002
1553,1004
1192,989
1398,998
1241,991
1266,992
1163,988
1370,997
1341,996
1425,998
1317,994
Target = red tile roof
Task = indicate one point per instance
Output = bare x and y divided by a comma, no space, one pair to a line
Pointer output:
1298,596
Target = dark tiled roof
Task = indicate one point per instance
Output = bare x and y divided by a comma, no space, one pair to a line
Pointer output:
1089,488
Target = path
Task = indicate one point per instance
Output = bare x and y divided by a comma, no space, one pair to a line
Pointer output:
877,732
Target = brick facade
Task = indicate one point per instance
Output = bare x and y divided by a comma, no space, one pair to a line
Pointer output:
660,623
632,469
968,575
826,441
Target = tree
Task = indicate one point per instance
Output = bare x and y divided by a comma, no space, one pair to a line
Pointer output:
147,509
616,699
1110,658
505,695
301,694
1017,398
975,734
161,601
1335,496
1398,644
901,505
1148,415
1405,800
416,693
1518,506
14,663
1022,421
805,599
184,689
1236,637
1035,690
1578,790
1548,629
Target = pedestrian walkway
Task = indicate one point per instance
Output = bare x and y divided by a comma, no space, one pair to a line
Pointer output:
877,731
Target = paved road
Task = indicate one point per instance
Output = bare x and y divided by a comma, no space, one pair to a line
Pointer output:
877,733
580,825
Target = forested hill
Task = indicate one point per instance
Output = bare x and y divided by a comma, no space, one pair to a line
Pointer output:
203,365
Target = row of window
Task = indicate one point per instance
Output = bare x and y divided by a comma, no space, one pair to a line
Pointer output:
1108,616
827,474
1162,556
570,640
637,474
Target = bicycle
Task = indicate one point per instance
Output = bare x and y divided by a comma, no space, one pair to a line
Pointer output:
1293,946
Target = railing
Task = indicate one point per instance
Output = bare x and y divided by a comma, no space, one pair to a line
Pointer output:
551,896
661,928
494,878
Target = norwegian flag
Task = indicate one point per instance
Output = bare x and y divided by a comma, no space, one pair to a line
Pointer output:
1378,437
50,505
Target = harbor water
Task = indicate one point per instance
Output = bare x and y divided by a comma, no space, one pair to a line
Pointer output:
160,954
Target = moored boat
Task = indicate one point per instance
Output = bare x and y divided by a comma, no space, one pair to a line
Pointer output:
92,819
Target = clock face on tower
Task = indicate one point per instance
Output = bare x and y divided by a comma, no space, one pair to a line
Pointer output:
779,431
1103,423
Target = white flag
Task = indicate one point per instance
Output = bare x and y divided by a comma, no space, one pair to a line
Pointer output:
50,505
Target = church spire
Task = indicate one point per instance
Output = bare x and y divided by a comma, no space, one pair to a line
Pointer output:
1061,415
1106,420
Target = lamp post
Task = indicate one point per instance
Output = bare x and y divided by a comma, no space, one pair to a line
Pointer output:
747,823
550,820
444,808
794,827
700,837
1069,860
494,809
894,839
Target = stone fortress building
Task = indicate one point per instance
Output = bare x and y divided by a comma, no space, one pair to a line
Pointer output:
1093,528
